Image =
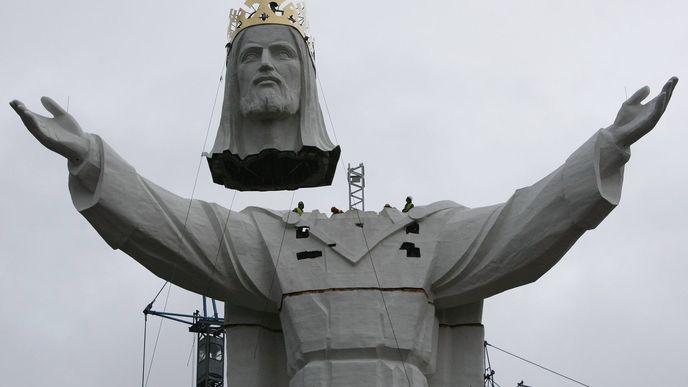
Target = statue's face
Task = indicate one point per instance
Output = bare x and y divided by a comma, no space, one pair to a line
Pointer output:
269,73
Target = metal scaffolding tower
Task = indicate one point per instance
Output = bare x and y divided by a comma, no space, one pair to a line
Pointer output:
356,178
210,342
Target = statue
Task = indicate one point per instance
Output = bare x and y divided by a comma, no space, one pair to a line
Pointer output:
362,298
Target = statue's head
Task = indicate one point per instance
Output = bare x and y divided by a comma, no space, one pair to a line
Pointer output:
272,134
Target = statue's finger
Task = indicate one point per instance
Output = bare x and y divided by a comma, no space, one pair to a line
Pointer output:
660,106
669,87
53,107
638,96
24,113
30,119
18,106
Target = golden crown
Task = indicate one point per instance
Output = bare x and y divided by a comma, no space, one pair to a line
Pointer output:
259,12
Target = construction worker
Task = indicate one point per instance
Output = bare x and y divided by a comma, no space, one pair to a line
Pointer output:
299,209
336,210
408,205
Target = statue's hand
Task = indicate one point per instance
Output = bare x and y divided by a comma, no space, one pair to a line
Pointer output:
60,134
635,120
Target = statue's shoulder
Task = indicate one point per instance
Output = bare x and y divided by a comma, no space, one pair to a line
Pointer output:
420,212
252,210
290,217
283,216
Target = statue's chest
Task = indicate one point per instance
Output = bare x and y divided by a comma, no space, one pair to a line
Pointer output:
348,252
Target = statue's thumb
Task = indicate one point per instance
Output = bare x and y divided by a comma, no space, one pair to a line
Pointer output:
18,106
23,113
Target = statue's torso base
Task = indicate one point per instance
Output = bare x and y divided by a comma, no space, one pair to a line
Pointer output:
275,170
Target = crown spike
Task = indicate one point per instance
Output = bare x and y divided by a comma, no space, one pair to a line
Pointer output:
261,12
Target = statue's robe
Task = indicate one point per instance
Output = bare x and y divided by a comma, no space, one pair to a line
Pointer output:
376,299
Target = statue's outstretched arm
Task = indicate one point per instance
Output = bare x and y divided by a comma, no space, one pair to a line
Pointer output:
191,243
488,250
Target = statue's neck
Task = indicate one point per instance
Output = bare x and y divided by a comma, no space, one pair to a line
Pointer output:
283,134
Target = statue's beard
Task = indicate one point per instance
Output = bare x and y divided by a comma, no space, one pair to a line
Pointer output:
269,103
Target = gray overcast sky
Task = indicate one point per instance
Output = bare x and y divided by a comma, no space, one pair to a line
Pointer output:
457,100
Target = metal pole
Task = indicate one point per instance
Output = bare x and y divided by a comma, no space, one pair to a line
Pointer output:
143,368
348,181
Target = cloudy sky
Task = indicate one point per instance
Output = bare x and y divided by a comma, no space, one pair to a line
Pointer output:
465,101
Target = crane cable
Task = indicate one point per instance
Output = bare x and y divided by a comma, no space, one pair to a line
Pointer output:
144,380
274,272
274,275
365,240
535,364
489,377
147,378
188,361
329,117
143,368
489,372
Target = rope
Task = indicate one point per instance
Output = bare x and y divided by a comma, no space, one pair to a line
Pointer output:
365,240
489,372
157,338
143,368
384,302
329,117
198,168
274,272
186,219
537,365
193,366
341,159
191,351
219,244
159,291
